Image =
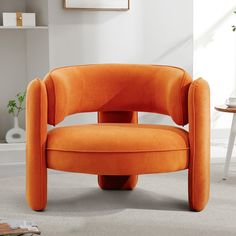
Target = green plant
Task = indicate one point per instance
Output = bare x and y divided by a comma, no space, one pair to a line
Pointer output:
15,106
234,26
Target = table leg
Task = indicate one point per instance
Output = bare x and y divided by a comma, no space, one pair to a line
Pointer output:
230,147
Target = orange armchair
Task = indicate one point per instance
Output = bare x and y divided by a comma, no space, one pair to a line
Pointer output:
118,149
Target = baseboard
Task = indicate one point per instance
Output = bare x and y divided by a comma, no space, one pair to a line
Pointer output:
12,157
220,134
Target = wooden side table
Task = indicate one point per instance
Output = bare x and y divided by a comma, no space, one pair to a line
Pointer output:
224,108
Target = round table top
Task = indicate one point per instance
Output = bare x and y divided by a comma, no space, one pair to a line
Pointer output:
225,108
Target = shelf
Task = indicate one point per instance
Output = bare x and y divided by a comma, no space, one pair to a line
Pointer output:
12,146
26,49
23,27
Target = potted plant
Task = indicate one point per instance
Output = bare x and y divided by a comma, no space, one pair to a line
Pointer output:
15,107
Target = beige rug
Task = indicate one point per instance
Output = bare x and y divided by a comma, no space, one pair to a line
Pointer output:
158,206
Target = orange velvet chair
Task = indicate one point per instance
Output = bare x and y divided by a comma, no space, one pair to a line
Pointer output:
118,149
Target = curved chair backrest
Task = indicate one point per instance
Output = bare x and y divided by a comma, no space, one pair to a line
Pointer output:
118,87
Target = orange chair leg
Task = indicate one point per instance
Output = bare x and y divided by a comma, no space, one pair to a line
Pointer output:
199,139
114,182
198,189
36,130
36,189
117,117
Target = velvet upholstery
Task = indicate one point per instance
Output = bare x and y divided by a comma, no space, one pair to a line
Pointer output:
135,149
163,89
199,138
36,126
113,182
118,149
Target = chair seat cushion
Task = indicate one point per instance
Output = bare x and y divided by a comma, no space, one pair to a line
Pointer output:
117,138
114,147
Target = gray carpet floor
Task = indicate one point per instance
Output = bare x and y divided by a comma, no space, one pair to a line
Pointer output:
158,206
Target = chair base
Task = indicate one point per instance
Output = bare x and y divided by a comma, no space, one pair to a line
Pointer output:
115,182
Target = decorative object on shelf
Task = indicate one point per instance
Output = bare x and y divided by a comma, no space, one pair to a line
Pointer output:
109,5
18,19
15,107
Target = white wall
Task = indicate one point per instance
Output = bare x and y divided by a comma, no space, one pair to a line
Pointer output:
153,32
40,7
12,73
214,60
38,41
215,53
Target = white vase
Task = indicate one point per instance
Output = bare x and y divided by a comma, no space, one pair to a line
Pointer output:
16,134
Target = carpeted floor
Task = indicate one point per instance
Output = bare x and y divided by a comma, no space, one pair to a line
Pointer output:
158,206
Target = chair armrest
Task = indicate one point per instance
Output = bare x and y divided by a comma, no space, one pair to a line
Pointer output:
36,136
199,138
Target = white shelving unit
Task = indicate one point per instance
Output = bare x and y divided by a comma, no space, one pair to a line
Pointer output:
24,55
12,153
23,28
12,147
